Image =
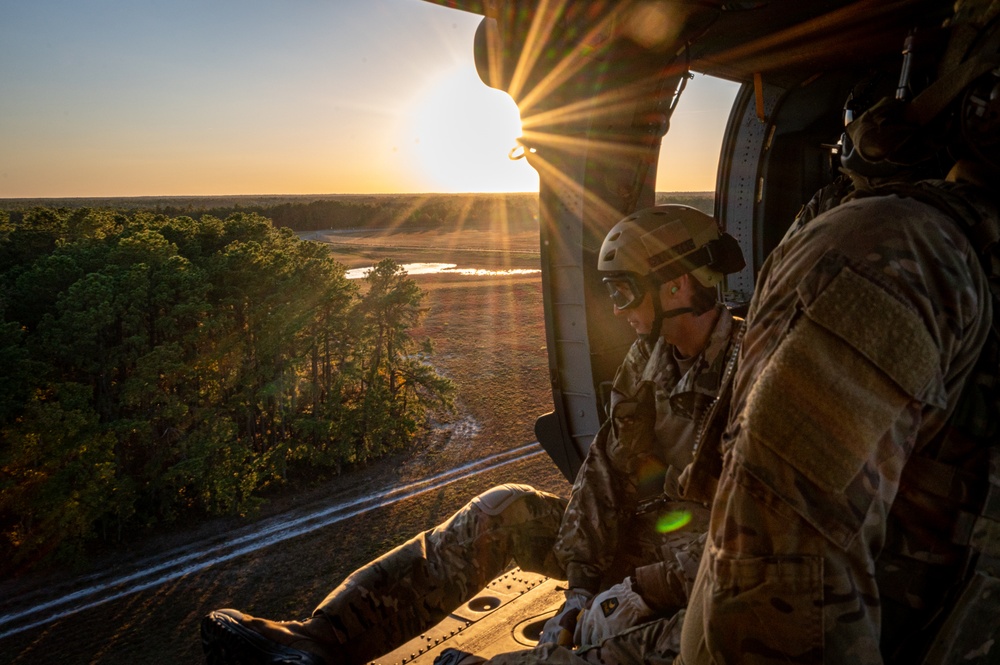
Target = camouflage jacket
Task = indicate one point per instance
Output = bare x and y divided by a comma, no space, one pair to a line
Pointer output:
639,451
865,326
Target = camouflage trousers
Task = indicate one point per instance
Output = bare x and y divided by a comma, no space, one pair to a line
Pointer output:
413,587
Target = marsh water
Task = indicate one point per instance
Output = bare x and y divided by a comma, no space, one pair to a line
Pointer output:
446,269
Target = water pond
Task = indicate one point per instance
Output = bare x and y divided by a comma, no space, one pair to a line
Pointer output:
446,269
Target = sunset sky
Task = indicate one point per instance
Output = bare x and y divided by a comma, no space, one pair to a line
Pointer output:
185,97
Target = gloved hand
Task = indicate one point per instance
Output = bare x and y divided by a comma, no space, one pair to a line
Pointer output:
609,613
559,629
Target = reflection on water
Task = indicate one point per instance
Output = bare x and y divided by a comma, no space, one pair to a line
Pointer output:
446,269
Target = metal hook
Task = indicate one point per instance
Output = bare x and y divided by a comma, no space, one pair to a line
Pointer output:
520,151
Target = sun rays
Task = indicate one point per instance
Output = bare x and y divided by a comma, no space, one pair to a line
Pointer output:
573,108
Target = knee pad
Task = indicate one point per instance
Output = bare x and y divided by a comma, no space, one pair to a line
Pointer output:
495,500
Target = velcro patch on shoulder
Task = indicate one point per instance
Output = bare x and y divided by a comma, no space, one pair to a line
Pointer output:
821,406
884,330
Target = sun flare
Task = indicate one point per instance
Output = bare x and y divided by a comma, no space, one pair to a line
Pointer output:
459,135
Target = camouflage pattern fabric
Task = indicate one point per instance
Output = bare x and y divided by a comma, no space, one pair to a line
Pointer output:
848,185
633,465
864,327
942,552
415,586
825,199
604,531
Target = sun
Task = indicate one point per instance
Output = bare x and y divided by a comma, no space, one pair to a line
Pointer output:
459,133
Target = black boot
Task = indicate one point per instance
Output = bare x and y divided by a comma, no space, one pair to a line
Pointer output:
457,657
230,637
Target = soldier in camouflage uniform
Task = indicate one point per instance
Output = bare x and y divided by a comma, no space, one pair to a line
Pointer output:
624,512
855,517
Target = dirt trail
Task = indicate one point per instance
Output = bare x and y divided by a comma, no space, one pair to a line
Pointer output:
488,335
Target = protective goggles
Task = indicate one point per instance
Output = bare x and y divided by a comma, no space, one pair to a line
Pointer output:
625,291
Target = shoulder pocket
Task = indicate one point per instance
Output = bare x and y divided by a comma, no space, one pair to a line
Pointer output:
828,395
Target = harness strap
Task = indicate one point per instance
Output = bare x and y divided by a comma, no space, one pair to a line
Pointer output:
700,477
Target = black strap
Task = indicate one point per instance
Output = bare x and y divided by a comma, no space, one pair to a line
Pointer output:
671,313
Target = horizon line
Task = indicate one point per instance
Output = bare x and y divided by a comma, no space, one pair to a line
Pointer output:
219,196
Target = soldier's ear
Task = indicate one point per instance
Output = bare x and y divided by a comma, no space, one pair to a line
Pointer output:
683,282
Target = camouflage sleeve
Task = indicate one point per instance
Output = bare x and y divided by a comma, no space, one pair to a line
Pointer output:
861,339
604,493
602,499
825,199
666,585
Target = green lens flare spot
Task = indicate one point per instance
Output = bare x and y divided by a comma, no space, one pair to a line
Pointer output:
672,521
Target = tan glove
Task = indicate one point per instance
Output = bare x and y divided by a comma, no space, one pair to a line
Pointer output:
559,629
609,613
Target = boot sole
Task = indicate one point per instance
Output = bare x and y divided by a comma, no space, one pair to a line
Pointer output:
226,641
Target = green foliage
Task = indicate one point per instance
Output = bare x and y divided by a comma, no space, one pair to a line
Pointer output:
58,475
395,375
160,367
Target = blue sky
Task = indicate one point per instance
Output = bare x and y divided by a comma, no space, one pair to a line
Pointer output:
129,98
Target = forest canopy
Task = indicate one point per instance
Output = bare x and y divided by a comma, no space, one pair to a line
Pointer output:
513,212
303,213
157,367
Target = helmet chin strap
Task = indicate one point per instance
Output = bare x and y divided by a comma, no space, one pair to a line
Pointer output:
671,313
654,329
659,315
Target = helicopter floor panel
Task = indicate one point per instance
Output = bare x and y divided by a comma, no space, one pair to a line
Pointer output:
506,616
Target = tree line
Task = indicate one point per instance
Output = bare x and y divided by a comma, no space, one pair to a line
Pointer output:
157,367
442,211
516,211
511,212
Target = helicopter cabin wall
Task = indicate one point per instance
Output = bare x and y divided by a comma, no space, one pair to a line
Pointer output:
772,162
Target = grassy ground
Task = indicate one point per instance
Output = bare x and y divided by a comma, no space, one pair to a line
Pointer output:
467,248
488,334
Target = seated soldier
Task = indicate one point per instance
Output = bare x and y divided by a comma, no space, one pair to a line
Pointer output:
660,274
856,515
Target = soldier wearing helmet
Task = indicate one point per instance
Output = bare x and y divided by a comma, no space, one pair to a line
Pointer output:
856,516
672,245
625,519
662,267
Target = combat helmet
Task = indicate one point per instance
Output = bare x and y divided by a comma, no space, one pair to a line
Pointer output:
658,244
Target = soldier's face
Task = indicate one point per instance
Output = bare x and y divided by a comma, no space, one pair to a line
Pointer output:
641,316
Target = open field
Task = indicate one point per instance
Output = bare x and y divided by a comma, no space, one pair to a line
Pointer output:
488,336
473,247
